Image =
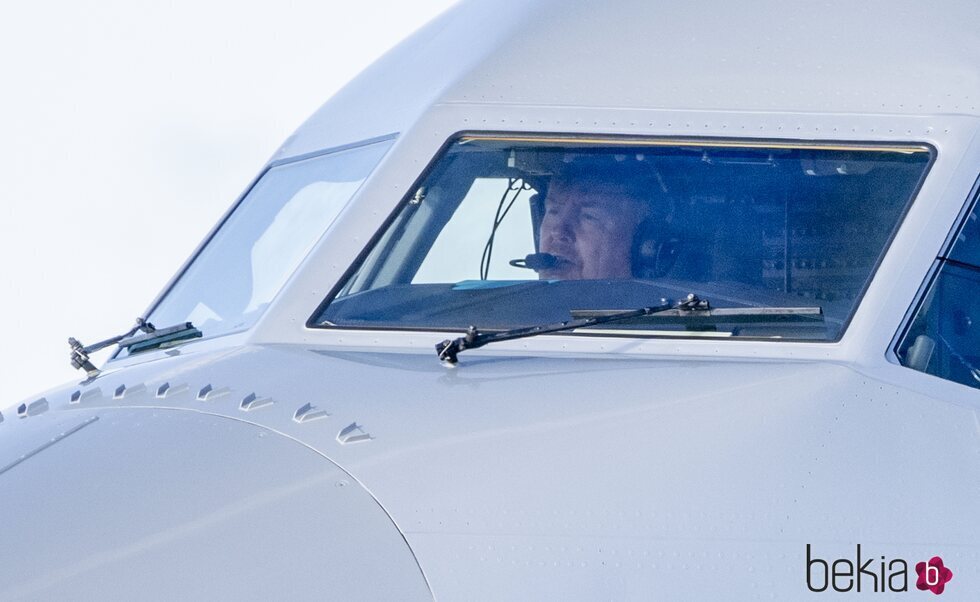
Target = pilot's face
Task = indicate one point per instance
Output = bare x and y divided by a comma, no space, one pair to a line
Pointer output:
589,229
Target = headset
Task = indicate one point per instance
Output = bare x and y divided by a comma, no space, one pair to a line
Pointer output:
653,252
655,249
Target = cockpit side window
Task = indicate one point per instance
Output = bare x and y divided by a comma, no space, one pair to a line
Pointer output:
943,338
502,232
250,257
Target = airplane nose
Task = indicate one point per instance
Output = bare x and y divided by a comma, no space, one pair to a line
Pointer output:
171,504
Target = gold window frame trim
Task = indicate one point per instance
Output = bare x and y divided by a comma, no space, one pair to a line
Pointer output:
702,143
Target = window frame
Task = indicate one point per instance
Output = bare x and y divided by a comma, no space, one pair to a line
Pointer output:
638,140
942,259
273,164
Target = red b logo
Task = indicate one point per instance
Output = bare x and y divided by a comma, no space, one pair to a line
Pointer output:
933,576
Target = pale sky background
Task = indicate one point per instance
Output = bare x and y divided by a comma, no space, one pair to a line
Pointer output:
128,128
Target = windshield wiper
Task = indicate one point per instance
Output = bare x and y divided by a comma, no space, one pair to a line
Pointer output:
151,338
449,350
726,315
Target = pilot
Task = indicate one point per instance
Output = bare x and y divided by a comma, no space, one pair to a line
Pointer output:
590,223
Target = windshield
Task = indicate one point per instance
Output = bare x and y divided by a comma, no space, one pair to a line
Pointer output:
250,257
505,232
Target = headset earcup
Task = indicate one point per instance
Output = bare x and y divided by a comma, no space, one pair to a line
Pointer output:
654,252
666,257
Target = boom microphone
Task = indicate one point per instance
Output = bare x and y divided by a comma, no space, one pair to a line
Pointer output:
536,262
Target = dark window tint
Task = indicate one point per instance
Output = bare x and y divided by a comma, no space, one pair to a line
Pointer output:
966,248
781,239
944,337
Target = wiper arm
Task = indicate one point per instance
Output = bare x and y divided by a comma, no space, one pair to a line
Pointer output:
152,337
449,350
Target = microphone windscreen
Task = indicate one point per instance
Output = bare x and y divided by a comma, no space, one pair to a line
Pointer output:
536,262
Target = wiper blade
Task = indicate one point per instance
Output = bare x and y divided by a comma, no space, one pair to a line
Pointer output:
151,338
449,350
160,337
727,315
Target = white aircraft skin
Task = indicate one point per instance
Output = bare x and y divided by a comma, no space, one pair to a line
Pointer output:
293,462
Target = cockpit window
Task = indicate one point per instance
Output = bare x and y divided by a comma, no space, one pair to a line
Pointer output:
966,247
776,240
943,339
250,257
